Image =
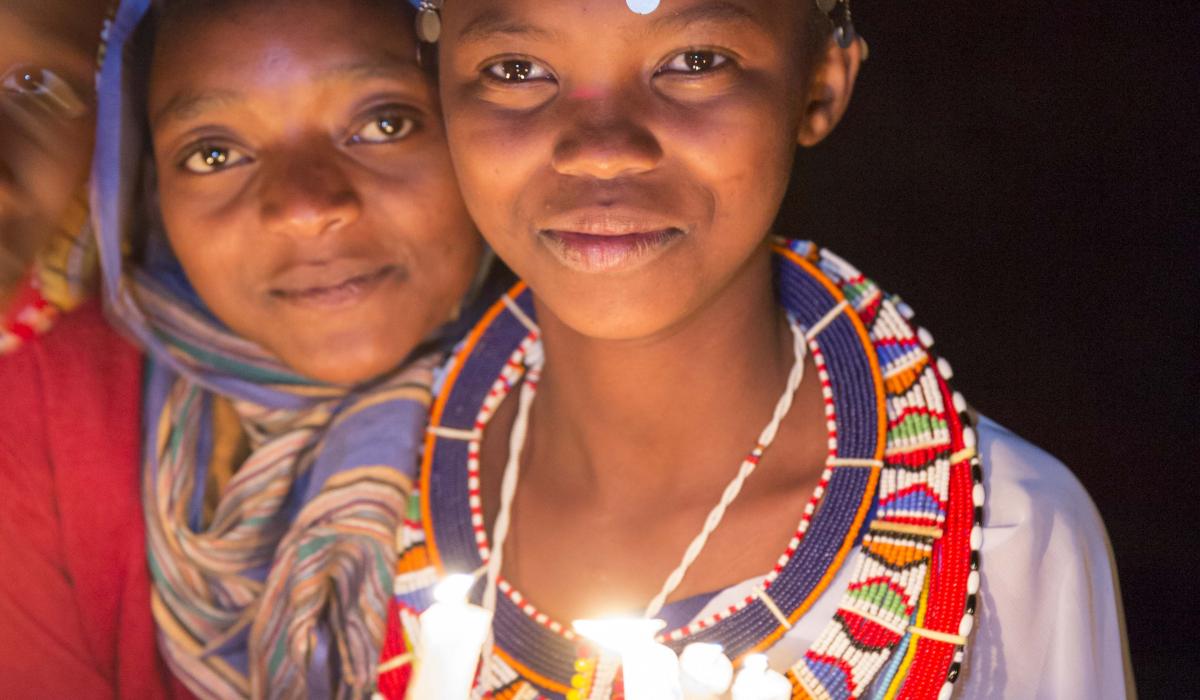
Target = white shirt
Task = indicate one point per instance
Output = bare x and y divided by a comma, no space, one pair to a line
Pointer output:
1049,620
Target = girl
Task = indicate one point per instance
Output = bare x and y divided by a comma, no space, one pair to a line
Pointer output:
302,242
685,418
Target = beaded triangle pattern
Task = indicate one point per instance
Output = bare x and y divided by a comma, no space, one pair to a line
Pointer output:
928,515
898,632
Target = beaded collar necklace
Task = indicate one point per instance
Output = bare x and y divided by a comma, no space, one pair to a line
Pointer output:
675,578
900,450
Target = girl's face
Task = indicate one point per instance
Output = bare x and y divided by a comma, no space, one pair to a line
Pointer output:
627,166
305,183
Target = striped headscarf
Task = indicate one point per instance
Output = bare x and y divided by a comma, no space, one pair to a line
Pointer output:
284,591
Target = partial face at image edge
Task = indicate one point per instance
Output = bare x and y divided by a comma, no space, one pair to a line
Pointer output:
47,68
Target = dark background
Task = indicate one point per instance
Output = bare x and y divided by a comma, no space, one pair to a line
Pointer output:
1025,175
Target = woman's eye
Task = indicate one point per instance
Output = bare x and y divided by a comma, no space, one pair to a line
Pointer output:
45,86
392,127
211,159
516,70
694,62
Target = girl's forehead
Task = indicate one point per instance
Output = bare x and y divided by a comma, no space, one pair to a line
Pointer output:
474,19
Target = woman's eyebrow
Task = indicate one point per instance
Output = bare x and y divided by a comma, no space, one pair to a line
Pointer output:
383,66
188,105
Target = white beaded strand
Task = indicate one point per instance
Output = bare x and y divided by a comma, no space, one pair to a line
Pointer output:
799,349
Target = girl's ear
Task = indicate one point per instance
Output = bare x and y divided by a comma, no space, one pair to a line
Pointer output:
829,90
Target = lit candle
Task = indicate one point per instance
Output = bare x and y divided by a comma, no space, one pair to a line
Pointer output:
758,682
651,670
452,633
705,671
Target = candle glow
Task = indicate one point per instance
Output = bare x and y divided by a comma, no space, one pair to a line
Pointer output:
705,671
758,682
452,634
651,670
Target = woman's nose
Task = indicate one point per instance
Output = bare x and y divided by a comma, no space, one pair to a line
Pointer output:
308,194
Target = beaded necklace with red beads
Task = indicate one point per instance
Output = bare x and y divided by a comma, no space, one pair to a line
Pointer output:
901,451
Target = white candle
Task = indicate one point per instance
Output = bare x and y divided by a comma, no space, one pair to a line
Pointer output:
705,671
451,636
651,670
758,682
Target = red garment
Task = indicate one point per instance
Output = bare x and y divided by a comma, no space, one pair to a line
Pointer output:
75,616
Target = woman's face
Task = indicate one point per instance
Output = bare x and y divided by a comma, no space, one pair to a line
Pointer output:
47,64
305,184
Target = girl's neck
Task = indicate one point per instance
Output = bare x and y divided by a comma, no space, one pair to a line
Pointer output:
691,399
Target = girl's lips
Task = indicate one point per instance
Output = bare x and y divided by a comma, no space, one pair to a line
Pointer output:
594,252
341,293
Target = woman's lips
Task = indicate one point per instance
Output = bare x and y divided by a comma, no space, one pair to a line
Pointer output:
344,290
600,252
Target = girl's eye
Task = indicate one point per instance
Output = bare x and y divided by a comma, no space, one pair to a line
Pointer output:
208,159
516,70
46,86
391,127
695,62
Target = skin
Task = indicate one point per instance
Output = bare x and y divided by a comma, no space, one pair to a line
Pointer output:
48,51
305,184
614,131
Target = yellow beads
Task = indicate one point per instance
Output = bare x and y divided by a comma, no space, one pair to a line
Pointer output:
585,669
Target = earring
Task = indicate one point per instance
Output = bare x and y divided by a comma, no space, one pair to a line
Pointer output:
429,21
838,12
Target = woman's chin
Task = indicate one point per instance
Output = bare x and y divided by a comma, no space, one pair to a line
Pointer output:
348,364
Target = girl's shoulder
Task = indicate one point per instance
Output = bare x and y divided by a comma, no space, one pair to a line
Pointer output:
1050,623
1027,487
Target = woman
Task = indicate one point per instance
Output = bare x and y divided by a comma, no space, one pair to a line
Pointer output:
297,249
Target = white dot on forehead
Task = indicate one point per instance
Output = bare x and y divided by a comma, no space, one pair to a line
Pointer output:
642,7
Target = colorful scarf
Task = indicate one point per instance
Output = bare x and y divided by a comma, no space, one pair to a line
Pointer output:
284,592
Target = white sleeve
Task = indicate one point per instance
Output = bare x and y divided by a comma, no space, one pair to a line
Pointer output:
1050,623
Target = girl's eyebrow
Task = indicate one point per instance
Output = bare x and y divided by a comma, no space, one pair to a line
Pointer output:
495,22
709,12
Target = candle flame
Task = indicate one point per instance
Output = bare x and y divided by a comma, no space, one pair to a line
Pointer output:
618,634
453,588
